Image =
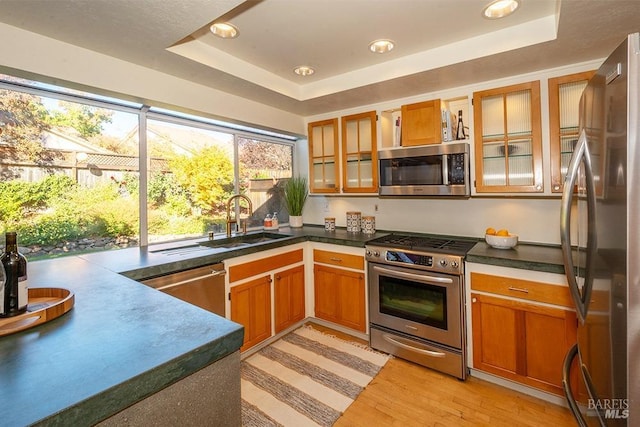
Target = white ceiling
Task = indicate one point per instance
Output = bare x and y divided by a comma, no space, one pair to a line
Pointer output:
439,43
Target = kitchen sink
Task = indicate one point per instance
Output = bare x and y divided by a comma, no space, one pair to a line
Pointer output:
239,241
242,240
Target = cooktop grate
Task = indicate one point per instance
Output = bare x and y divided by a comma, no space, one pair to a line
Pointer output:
401,241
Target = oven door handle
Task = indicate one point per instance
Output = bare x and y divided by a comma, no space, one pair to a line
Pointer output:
411,276
412,348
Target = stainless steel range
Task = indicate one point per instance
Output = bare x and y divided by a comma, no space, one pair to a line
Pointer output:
416,299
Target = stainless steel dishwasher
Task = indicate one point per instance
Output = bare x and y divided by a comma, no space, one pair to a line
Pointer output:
202,286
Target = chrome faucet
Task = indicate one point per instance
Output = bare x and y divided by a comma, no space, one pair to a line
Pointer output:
236,220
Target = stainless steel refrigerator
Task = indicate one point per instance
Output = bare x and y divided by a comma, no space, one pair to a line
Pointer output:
600,234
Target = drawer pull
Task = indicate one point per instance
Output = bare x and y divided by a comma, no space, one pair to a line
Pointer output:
336,259
523,290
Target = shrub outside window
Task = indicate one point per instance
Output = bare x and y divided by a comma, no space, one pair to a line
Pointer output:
70,172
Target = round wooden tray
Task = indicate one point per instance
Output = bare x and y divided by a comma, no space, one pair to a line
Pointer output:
45,304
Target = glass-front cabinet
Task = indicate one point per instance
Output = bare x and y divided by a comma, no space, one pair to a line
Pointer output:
508,145
564,114
323,156
359,153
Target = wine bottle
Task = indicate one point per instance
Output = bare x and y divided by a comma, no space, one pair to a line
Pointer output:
460,130
14,289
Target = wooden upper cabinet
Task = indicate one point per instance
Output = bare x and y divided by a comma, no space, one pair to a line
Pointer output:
564,115
508,139
359,153
421,123
323,156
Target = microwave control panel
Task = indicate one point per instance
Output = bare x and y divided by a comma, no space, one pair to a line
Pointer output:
456,168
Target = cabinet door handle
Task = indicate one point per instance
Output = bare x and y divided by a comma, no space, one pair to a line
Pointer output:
214,273
523,290
278,277
335,259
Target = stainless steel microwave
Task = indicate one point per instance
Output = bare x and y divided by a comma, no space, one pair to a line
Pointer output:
430,170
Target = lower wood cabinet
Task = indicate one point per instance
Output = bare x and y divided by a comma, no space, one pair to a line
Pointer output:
521,339
340,293
251,294
251,307
288,291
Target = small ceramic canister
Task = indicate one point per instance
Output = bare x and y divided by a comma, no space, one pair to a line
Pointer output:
329,224
353,222
369,224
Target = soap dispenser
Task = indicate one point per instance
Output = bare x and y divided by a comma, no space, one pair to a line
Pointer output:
268,222
274,220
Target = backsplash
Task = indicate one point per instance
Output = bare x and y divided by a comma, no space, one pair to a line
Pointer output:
534,220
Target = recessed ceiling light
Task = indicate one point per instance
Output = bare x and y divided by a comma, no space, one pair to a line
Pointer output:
500,9
381,46
224,30
304,70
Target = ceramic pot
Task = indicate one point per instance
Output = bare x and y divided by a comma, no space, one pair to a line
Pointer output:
329,224
353,222
295,221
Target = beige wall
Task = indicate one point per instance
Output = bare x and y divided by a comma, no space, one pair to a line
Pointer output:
534,220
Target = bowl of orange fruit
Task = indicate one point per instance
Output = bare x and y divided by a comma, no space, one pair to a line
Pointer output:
500,239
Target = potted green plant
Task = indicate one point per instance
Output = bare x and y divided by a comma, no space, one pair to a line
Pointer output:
295,196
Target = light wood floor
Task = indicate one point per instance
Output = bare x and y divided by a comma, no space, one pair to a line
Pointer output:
405,394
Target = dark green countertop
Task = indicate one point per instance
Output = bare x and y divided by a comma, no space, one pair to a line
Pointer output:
122,341
146,262
546,258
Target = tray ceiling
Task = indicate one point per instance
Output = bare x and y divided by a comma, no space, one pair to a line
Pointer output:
439,43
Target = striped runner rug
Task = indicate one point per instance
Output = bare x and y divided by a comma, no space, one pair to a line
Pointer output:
306,378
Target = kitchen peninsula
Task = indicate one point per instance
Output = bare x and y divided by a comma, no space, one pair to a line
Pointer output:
122,342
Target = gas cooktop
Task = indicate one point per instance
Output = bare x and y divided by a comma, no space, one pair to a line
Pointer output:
454,246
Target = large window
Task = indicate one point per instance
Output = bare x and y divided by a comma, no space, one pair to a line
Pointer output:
263,166
71,175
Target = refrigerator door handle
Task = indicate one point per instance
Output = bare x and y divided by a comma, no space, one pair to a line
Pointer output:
580,155
565,224
566,385
592,244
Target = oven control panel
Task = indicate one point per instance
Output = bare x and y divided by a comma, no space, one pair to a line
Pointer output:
425,261
408,258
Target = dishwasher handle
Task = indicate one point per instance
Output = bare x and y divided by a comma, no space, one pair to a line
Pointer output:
214,273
